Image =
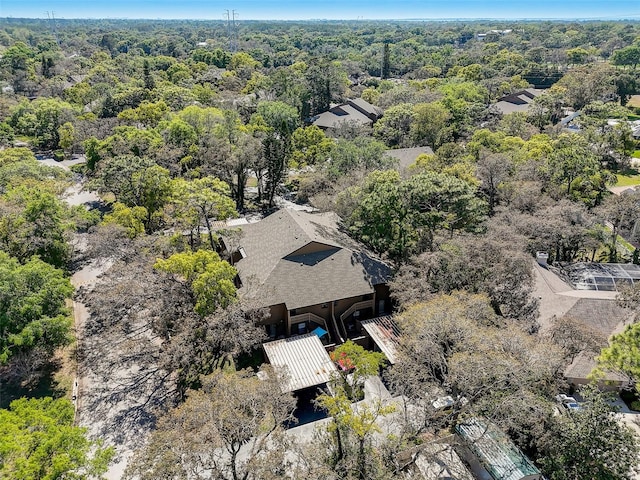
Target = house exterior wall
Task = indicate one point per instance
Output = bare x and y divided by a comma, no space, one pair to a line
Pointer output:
343,305
382,293
324,310
319,310
278,314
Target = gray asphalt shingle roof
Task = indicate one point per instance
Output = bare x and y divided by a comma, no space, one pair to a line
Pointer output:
302,259
517,102
408,156
354,110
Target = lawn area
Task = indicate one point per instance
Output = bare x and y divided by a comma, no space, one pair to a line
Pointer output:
627,180
629,177
636,154
634,101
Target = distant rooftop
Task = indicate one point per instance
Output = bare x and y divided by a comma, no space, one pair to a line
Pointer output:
408,156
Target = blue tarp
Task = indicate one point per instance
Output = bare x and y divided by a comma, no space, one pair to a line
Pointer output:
320,332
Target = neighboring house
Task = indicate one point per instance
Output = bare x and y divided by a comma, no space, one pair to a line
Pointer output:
633,124
356,110
519,101
492,34
407,156
569,124
309,274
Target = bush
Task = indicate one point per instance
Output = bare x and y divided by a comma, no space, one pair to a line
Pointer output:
58,155
635,405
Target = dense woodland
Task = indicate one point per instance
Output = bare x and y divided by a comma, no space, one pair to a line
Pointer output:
185,123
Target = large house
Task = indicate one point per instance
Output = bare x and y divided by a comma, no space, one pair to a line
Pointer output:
310,275
355,110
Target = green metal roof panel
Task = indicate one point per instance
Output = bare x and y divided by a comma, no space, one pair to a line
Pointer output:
501,458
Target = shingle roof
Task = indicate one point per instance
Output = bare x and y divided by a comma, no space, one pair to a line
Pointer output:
517,102
302,259
365,106
407,156
344,113
582,366
302,361
353,110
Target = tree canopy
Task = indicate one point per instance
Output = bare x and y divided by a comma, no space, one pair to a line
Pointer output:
39,440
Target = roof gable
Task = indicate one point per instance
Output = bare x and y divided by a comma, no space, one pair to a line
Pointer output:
302,259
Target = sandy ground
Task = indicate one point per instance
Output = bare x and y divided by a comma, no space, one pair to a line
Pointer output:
619,190
75,195
64,164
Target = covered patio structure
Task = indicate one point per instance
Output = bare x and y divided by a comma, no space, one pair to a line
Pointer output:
384,332
301,361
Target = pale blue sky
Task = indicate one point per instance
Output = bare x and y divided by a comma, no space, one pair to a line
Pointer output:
328,9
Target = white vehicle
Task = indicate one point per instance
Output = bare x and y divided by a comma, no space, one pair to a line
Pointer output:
569,404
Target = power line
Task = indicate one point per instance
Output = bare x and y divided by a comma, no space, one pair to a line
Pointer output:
52,26
232,29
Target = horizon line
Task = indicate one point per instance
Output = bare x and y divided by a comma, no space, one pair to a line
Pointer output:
631,17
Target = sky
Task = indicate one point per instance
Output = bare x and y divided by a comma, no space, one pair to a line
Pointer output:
325,9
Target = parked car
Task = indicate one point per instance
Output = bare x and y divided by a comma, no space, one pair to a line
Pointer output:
569,404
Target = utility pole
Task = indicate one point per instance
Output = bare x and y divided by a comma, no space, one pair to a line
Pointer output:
232,30
52,26
226,12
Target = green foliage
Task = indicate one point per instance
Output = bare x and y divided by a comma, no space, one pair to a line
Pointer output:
362,153
353,426
394,127
199,200
35,222
32,307
279,116
429,126
310,146
137,182
622,355
132,219
627,56
41,119
398,217
39,441
15,155
211,279
590,443
147,113
571,158
355,365
7,135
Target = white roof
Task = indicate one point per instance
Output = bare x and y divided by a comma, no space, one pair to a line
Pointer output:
302,361
384,331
